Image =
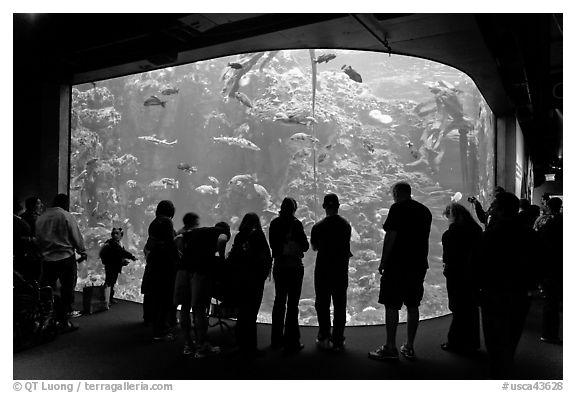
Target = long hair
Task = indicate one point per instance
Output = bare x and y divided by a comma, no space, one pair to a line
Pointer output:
250,221
288,207
461,215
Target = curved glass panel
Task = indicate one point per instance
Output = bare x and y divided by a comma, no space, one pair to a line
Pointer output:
232,135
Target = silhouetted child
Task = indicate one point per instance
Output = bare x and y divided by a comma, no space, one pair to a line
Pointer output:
114,257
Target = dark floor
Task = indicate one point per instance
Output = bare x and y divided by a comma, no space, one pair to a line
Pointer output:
116,345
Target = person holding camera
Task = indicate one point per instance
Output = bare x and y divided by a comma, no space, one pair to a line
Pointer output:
289,243
114,256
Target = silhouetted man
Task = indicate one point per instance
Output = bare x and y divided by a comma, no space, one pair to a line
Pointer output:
403,268
331,238
59,239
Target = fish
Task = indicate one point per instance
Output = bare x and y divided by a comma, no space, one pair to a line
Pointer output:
236,66
207,190
131,183
352,74
301,137
234,141
328,147
380,117
214,180
325,58
322,157
243,98
187,168
169,182
456,197
170,91
139,201
156,141
91,161
345,207
239,179
261,191
153,100
293,119
157,184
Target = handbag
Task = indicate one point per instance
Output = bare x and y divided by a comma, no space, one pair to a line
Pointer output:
95,299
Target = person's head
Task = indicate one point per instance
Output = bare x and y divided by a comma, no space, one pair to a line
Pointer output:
33,204
331,203
456,213
165,208
224,227
249,222
498,190
505,205
401,191
190,220
62,201
288,207
524,204
117,234
554,205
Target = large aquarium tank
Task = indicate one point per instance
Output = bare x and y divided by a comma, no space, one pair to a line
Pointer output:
232,135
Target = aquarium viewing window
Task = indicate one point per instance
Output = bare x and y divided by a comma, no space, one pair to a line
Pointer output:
237,134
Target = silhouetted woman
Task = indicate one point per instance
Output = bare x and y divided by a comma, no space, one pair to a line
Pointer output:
160,272
459,242
251,260
289,243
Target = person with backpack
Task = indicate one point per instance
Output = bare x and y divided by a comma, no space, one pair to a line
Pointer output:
289,243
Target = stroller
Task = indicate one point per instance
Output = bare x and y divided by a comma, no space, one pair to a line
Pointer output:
33,313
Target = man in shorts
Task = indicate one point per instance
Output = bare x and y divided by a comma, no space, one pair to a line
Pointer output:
403,268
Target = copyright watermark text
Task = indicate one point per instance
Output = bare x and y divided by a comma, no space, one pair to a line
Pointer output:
533,386
83,386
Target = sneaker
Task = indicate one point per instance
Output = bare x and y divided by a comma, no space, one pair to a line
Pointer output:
324,343
188,350
166,337
408,353
384,353
74,314
206,350
294,347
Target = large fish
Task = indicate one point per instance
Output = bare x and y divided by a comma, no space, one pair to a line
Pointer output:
187,168
261,191
293,119
207,190
241,131
240,142
352,74
243,98
153,100
156,141
170,91
169,182
236,66
302,138
325,58
240,179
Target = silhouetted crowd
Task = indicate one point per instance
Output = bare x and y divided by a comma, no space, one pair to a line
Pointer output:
492,269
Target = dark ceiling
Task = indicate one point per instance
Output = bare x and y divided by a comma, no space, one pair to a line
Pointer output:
515,59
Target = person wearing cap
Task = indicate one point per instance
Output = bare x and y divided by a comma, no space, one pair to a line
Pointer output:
330,237
403,267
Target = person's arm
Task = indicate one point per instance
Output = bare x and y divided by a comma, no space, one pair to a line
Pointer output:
480,213
314,238
301,237
221,244
77,239
389,241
